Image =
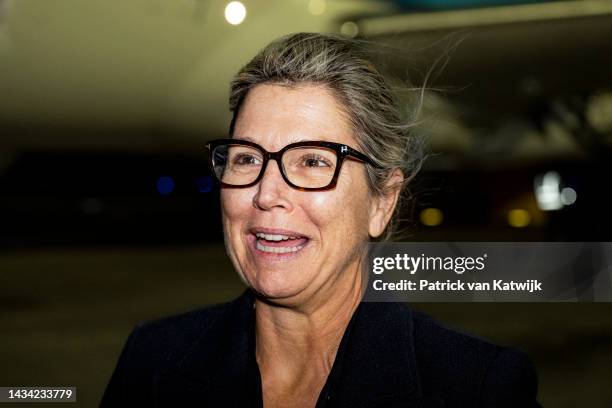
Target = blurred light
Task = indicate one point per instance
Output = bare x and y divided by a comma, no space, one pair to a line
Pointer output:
519,218
599,112
235,12
316,7
547,191
431,217
568,196
165,185
349,29
205,184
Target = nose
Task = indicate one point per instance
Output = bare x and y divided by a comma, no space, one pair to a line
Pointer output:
272,191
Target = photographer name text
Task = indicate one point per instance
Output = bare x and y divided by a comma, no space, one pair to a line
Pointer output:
499,285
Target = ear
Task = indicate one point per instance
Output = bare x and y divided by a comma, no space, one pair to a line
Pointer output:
382,206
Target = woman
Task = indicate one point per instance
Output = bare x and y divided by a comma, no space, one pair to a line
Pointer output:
317,161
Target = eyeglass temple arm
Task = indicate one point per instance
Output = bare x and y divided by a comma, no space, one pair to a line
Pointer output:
360,156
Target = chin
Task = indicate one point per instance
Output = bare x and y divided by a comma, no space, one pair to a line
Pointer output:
276,287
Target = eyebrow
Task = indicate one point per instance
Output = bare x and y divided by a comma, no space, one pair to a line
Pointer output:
249,139
244,138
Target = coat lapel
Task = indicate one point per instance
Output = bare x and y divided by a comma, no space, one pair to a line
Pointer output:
376,362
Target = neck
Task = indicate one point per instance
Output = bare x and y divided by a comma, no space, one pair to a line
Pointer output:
296,339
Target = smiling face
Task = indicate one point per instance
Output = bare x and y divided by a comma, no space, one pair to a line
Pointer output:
326,229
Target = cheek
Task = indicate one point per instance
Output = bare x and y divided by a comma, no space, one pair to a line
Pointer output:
235,208
322,206
342,213
234,203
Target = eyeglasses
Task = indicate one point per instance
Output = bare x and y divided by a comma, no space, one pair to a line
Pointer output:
307,166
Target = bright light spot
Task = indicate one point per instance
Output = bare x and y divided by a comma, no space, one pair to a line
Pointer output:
316,7
568,196
431,217
519,218
349,29
165,185
235,12
547,191
598,112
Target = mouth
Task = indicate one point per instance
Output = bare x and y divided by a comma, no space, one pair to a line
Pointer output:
276,242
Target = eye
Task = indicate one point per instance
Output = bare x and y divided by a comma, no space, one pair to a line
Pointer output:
246,159
314,160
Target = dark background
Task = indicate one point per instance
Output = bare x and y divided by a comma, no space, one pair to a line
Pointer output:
108,215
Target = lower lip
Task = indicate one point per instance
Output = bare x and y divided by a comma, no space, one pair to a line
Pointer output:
256,248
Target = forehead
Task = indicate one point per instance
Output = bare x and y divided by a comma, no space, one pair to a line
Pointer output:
276,115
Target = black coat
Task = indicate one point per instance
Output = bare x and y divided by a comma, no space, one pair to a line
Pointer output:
390,356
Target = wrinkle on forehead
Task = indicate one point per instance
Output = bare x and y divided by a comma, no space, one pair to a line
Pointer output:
284,115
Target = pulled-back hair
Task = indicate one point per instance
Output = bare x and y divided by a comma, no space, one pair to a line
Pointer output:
382,129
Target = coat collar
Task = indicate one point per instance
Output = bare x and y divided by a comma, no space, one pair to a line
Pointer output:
375,365
376,358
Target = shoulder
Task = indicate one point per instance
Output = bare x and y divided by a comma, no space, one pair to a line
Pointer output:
470,368
172,334
157,345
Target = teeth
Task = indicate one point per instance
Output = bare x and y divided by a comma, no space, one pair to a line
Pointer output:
278,250
274,237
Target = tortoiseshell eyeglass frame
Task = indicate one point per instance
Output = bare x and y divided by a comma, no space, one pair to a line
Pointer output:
342,151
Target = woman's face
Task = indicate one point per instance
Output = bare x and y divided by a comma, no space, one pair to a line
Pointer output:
326,229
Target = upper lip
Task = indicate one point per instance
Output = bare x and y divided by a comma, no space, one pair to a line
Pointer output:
277,231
